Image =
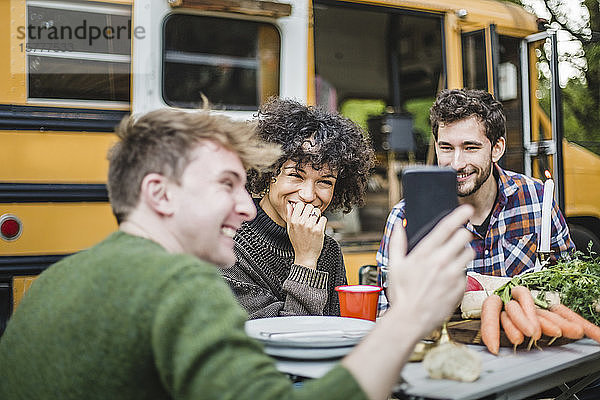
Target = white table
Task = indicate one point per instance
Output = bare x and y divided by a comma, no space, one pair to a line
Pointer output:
506,376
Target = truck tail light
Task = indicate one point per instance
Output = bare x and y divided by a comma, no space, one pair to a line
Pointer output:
10,227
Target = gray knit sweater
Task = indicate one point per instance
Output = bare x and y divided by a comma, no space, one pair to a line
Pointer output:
267,283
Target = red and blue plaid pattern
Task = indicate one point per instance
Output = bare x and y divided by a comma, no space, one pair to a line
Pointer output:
510,244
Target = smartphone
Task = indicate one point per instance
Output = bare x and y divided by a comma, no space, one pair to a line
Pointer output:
430,195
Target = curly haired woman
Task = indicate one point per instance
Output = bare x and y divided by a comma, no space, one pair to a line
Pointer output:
286,264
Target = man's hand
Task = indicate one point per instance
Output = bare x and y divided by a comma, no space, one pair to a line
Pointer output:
425,287
431,278
306,229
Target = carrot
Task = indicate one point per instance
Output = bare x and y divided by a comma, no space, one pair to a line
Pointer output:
490,322
592,331
518,317
525,299
569,329
512,332
549,328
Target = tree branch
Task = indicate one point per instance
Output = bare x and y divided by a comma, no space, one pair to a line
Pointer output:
577,35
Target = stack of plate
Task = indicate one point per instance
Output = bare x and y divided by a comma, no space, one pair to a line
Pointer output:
308,337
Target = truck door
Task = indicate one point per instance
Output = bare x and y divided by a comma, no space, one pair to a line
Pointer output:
542,127
510,67
492,62
574,168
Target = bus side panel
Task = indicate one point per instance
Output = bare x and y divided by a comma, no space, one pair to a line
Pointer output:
57,157
582,182
57,228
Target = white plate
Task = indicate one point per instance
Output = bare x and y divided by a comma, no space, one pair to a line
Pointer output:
308,331
299,353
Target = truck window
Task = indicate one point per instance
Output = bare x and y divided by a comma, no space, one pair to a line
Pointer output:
78,51
474,61
234,63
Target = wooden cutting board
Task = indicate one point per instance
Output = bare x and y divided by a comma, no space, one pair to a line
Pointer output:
468,331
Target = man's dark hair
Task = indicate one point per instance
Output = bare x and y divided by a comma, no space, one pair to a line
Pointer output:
337,143
457,104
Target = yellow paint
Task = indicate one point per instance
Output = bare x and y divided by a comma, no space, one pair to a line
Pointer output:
355,260
59,157
12,62
453,52
471,27
57,228
501,13
488,60
21,285
5,38
310,58
582,181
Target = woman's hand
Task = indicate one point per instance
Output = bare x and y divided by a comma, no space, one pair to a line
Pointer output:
306,229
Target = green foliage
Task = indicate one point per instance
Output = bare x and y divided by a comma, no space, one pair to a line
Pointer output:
419,108
577,280
581,96
360,110
577,103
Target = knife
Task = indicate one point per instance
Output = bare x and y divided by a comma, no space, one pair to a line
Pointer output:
351,334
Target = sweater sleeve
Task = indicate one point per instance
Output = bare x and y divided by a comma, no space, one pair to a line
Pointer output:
201,350
304,291
332,260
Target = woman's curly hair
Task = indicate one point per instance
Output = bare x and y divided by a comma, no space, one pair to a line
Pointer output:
338,144
457,104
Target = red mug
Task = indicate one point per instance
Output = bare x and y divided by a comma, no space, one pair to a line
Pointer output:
358,301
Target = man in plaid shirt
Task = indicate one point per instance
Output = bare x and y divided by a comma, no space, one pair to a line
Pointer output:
469,128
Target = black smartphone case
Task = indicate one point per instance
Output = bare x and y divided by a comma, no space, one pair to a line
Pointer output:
430,195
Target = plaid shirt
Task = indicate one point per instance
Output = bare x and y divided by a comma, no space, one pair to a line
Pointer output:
510,244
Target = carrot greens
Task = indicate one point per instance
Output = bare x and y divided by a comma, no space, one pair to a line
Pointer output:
577,280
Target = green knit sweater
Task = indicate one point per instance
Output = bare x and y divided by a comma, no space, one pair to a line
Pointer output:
128,320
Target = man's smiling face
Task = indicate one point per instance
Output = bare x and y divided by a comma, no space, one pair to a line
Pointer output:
464,146
211,202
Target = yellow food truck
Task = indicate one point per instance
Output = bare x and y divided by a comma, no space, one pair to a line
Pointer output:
70,70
